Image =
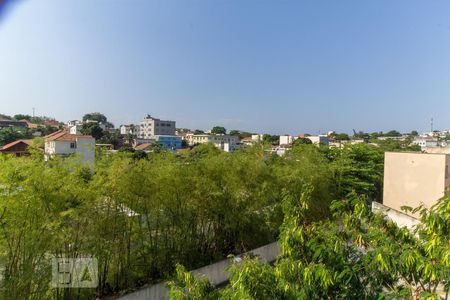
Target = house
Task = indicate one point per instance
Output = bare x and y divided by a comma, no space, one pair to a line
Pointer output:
411,179
63,143
51,123
426,142
228,143
130,129
16,148
11,123
29,124
151,126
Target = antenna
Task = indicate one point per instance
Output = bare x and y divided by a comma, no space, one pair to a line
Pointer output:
33,111
431,124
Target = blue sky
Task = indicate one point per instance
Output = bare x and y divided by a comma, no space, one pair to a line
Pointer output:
263,66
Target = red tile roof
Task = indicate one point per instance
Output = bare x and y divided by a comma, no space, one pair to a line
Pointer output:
63,135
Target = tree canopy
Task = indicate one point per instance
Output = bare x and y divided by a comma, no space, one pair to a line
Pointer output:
218,130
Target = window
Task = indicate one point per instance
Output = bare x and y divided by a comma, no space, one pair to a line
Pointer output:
73,145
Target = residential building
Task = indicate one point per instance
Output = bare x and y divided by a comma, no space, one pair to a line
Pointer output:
29,124
257,137
51,123
131,129
11,123
73,123
63,143
127,129
75,129
411,179
172,142
228,143
17,148
151,126
287,139
318,139
426,142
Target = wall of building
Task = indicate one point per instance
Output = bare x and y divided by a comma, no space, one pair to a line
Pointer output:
414,178
399,218
215,273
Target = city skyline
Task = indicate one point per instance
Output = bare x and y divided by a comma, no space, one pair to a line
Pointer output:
280,68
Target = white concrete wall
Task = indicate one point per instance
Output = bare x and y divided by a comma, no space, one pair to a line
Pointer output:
215,273
400,218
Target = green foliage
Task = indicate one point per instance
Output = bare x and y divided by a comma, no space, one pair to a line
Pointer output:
92,129
358,168
301,141
271,139
355,255
344,136
96,116
140,216
218,130
241,134
185,286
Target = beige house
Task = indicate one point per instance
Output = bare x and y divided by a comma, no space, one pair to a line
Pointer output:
411,179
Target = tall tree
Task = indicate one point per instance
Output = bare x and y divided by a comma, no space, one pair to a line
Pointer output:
218,130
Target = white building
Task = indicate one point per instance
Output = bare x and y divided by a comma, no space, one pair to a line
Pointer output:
426,142
130,129
287,139
151,126
257,137
75,129
224,142
318,139
73,123
63,143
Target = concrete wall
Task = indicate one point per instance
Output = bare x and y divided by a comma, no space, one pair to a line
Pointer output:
215,273
414,178
400,218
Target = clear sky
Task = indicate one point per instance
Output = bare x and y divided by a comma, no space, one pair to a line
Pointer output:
264,66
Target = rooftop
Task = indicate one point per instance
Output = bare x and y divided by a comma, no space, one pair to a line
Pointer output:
63,135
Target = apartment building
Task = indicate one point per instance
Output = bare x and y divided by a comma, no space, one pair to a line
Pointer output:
414,178
151,127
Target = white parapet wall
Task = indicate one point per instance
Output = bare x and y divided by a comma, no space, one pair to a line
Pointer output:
400,218
215,273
